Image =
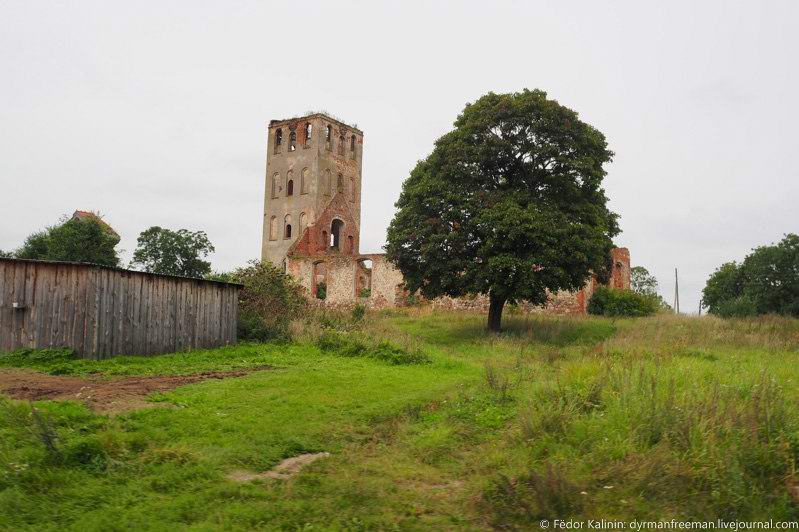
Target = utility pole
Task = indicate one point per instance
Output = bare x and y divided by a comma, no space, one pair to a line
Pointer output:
676,293
700,306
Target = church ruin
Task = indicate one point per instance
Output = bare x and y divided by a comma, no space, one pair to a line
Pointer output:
312,220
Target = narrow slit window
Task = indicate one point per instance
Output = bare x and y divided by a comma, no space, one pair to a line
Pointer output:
292,141
287,226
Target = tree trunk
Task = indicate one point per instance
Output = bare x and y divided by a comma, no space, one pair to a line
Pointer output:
495,306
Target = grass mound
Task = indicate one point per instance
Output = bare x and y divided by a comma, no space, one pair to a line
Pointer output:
350,345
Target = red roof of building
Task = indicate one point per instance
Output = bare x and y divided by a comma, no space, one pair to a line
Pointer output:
88,215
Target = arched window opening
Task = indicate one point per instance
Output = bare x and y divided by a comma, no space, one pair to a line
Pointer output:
308,132
292,141
273,228
303,222
304,181
319,280
287,227
275,185
352,147
350,244
341,145
278,139
290,188
363,279
340,183
329,137
335,233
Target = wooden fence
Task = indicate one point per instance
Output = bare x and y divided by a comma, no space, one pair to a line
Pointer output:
100,311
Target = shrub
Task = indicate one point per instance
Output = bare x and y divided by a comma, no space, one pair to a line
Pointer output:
608,302
366,293
269,301
321,291
358,312
737,307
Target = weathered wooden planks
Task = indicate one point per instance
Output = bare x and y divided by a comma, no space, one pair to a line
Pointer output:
101,312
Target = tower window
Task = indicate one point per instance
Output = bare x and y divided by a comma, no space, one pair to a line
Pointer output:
335,233
290,188
329,137
352,147
275,185
273,228
308,132
292,141
340,183
341,145
327,184
287,227
278,139
304,181
352,189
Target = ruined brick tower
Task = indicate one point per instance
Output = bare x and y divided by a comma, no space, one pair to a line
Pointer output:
312,200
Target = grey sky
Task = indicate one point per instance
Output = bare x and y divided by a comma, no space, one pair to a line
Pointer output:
155,113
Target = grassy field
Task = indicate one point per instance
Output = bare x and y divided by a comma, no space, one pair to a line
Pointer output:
431,423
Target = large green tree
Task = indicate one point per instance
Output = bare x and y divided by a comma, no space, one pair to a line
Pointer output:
767,281
170,252
509,204
75,240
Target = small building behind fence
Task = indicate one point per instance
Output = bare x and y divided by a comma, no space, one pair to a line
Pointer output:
101,311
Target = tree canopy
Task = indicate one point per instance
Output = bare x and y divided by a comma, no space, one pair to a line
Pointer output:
508,204
767,281
643,282
170,252
75,240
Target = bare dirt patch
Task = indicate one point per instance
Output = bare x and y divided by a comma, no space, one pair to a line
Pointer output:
285,469
101,394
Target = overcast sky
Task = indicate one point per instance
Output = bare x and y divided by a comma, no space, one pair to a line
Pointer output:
155,113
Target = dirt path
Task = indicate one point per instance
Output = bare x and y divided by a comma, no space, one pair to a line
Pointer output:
285,469
101,394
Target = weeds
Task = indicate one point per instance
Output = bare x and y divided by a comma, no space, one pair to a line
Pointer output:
672,417
498,382
350,345
46,434
527,498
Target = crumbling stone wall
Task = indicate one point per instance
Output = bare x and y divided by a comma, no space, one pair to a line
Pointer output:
387,287
341,279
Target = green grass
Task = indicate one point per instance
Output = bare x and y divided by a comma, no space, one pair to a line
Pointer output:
432,423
